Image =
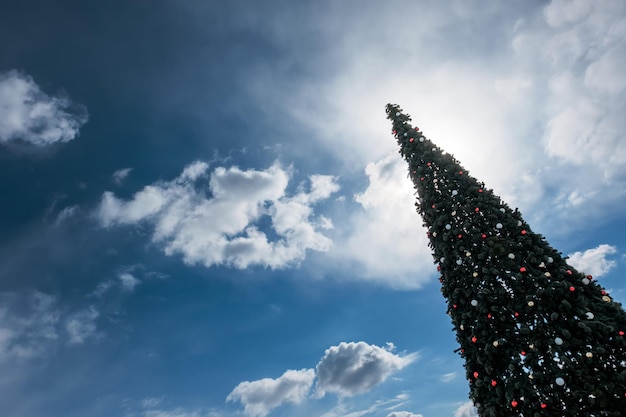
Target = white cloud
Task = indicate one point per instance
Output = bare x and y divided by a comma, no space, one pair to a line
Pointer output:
466,410
102,288
120,175
345,408
177,412
353,368
81,325
450,376
594,261
28,324
153,407
533,106
403,414
261,396
29,114
34,324
385,241
66,213
222,229
128,281
586,51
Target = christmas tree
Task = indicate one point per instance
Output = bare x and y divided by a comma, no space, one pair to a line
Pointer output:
538,337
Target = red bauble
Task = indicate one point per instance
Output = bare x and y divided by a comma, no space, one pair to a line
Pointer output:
516,314
489,315
568,272
460,172
572,289
428,163
460,236
514,403
524,232
484,236
494,383
411,140
453,305
589,277
417,129
474,339
544,405
522,269
480,190
621,333
476,209
422,179
603,292
475,374
523,353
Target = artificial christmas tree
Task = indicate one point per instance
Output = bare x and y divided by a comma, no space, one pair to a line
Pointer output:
538,337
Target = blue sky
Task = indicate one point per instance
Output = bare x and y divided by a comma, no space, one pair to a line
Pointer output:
204,212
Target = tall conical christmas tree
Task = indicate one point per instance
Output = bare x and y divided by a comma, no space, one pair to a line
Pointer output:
538,337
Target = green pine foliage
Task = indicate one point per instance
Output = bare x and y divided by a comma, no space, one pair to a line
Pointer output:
538,337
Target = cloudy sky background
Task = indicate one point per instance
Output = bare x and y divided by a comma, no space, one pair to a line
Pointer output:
204,213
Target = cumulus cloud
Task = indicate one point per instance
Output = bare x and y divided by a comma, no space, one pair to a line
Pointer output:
594,261
218,226
346,369
466,410
29,114
353,368
403,414
384,241
261,396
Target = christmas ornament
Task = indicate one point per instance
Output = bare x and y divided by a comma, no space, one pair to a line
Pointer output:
560,381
